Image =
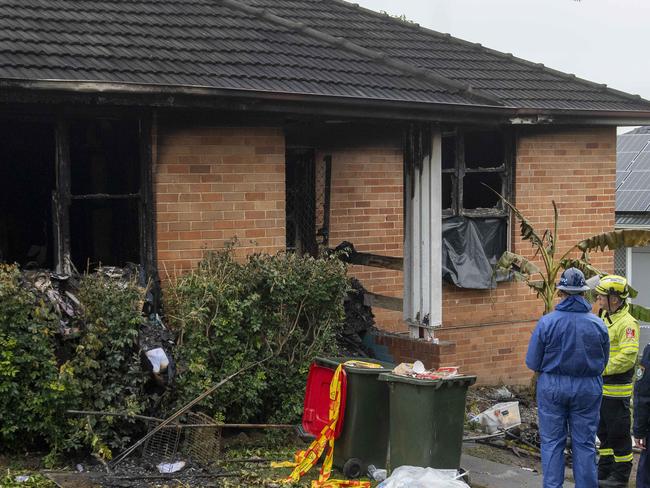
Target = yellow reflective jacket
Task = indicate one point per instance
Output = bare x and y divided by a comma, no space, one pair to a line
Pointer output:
623,352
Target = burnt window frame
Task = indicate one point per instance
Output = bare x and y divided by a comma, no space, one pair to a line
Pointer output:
459,170
63,196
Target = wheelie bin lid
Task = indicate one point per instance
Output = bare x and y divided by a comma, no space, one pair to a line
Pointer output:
454,381
334,362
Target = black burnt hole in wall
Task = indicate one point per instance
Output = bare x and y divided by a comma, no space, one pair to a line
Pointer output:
27,173
105,177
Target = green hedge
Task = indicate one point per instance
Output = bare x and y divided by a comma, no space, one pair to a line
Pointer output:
229,314
41,377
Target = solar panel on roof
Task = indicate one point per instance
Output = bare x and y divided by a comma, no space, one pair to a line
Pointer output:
639,180
631,201
642,161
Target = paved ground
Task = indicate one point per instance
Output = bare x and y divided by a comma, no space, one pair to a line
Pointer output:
488,474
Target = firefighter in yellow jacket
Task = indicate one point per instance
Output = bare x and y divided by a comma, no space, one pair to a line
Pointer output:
615,451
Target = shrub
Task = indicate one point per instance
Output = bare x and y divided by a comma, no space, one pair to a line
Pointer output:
105,366
33,391
102,371
229,314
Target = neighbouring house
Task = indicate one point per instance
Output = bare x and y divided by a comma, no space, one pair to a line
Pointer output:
152,131
633,211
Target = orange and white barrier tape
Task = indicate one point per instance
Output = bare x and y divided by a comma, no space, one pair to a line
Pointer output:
305,460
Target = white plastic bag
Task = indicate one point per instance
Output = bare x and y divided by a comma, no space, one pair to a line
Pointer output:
158,359
415,477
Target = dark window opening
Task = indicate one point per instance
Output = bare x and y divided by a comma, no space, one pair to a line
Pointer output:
104,232
476,195
27,172
480,157
105,176
447,191
104,157
484,149
300,202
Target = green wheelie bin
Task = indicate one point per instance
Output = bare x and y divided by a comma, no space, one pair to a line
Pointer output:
364,435
427,418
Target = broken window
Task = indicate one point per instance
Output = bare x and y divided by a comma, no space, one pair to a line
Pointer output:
27,172
75,192
105,183
474,161
475,221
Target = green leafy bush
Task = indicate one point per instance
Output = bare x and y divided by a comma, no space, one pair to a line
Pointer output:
102,371
105,366
229,314
33,390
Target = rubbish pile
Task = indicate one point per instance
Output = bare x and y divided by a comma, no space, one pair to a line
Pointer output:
417,370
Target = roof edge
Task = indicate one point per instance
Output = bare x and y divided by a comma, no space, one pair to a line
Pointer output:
180,96
411,110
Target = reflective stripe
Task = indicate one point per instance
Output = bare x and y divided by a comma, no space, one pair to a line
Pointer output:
618,390
606,452
623,459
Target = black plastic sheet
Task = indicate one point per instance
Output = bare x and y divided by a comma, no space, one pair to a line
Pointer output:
470,249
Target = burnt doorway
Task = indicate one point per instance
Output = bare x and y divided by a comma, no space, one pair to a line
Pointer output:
301,201
28,175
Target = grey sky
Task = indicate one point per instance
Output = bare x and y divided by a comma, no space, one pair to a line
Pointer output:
605,41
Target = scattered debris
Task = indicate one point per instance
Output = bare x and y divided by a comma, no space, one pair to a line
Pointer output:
359,320
167,468
503,394
417,370
500,417
22,478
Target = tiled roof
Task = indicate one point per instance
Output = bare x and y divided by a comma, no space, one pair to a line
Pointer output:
300,47
633,171
201,43
515,82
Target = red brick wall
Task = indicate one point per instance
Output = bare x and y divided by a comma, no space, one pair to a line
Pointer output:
366,209
577,169
213,184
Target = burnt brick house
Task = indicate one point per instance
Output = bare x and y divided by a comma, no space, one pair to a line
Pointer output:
152,131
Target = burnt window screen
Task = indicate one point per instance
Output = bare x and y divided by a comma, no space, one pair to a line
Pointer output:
105,202
472,159
301,201
28,175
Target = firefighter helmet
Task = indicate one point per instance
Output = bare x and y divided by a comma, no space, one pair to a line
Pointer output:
613,285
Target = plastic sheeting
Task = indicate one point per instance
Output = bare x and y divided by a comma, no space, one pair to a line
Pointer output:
470,249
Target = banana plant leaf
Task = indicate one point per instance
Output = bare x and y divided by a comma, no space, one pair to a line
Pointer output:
617,239
509,261
640,312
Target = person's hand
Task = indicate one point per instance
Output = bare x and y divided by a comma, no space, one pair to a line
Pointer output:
640,442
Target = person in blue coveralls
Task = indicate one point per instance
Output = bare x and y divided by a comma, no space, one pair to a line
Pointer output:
569,349
642,418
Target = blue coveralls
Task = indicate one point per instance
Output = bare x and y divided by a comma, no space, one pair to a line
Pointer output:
569,348
641,427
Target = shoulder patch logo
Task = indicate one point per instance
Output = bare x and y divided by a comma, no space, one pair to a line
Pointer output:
629,333
639,372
